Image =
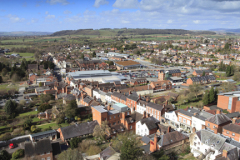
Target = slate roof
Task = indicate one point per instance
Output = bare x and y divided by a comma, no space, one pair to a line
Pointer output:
201,71
233,115
69,97
210,138
232,127
203,78
155,106
150,122
145,139
146,148
173,71
107,153
78,129
203,115
218,119
35,148
171,137
190,112
116,94
56,148
133,97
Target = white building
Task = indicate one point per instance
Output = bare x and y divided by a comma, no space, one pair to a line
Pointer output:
147,126
172,119
141,106
108,97
199,119
96,94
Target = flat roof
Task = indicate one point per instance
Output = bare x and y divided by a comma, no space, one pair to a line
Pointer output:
176,78
120,105
100,109
114,111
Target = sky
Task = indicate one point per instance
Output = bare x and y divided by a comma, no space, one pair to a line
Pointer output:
56,15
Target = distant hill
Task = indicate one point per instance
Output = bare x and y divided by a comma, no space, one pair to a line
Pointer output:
118,32
22,33
226,30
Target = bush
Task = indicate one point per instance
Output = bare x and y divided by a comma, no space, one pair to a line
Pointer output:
93,149
43,107
74,142
18,154
4,155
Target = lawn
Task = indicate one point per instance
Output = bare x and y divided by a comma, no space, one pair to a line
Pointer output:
28,114
6,87
53,125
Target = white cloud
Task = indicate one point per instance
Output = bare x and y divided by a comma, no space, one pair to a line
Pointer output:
53,2
98,3
67,12
124,21
170,21
46,12
126,4
34,20
50,16
14,18
196,21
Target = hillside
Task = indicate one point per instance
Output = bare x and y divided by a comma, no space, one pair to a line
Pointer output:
118,32
22,33
226,30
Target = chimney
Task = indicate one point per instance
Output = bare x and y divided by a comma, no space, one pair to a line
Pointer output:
129,92
215,130
195,113
147,115
144,114
166,103
203,127
168,129
234,120
109,107
94,98
139,97
224,154
147,99
218,111
153,144
193,130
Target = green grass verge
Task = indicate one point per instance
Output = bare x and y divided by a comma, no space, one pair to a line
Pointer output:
27,114
6,87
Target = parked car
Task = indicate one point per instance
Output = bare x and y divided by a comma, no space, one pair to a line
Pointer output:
11,146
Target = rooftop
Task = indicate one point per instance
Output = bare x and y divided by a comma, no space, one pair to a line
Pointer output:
101,109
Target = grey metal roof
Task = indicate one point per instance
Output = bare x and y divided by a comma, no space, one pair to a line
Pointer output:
113,111
36,148
190,112
44,133
155,106
232,127
171,137
203,78
218,119
145,139
233,115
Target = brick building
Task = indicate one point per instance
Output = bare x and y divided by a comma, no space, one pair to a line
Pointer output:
217,122
232,131
201,80
161,85
200,72
140,81
229,101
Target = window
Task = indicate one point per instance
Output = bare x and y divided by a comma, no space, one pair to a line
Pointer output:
184,120
130,127
114,123
180,119
114,117
233,134
48,158
109,117
42,158
208,124
227,132
195,143
214,126
127,113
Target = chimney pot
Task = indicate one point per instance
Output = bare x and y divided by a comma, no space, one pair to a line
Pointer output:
218,111
224,154
203,127
234,120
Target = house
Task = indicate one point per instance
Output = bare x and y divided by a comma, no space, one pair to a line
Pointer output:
217,121
229,101
169,73
124,65
232,131
198,120
51,134
161,85
206,143
185,118
200,72
201,80
167,142
77,130
109,154
140,81
38,150
147,126
176,80
171,118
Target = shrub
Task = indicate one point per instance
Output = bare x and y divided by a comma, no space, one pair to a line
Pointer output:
93,149
18,154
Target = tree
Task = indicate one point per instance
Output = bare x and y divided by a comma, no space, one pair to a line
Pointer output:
71,109
4,155
206,98
16,77
40,84
93,150
70,154
18,154
10,107
195,89
236,76
27,123
43,107
51,65
46,97
227,46
100,131
94,54
203,74
74,142
227,87
68,57
1,80
4,71
130,150
211,95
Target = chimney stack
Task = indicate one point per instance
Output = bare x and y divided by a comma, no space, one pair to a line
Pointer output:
215,130
129,92
218,111
144,114
234,120
153,145
139,97
203,127
169,129
109,107
166,103
224,154
193,130
94,98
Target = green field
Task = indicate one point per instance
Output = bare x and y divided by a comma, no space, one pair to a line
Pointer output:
28,114
53,125
5,87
